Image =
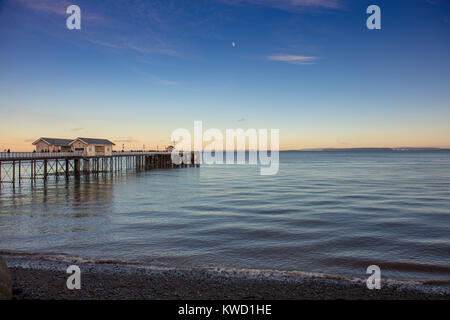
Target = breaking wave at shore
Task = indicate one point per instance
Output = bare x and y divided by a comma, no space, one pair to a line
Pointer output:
55,261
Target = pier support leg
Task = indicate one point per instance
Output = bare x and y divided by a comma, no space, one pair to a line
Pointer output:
14,172
76,167
45,169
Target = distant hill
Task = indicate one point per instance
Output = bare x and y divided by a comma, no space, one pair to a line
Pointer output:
374,149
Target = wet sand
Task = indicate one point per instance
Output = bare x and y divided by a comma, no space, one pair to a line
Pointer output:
111,281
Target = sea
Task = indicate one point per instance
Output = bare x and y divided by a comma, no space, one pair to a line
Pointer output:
330,213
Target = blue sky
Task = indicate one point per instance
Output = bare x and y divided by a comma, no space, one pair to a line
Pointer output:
137,70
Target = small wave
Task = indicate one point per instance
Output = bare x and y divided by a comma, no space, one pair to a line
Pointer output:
60,257
299,275
435,286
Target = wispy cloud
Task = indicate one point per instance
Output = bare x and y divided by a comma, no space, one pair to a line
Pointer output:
288,5
156,79
57,7
53,7
154,50
105,44
293,59
138,43
126,140
242,120
77,129
129,46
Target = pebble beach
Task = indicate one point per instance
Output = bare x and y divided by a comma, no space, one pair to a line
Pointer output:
46,280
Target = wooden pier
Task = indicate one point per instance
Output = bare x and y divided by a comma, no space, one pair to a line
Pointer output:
16,167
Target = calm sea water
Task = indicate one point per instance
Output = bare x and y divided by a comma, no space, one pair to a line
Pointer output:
328,212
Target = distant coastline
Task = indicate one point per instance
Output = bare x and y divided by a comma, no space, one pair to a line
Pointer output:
373,149
315,149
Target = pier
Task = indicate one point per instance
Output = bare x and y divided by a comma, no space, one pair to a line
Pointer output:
16,167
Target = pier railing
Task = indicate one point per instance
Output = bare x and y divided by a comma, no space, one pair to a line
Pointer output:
54,155
36,155
138,153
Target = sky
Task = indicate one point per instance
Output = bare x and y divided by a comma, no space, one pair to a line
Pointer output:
137,70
